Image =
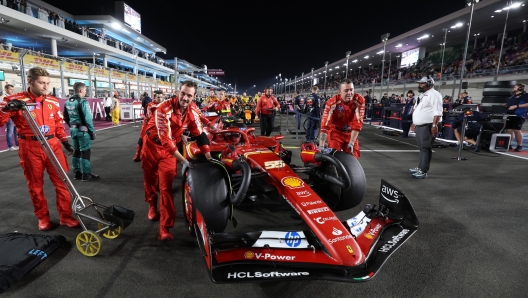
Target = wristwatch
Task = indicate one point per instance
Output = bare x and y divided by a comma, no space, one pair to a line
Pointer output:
434,125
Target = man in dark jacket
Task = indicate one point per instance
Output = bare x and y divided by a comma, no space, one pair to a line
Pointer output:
146,100
313,112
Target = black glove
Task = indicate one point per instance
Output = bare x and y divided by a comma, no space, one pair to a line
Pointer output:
92,135
68,147
14,105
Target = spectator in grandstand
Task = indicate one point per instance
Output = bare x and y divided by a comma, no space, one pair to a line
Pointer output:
343,120
10,126
78,116
107,104
407,114
518,106
267,105
33,158
427,118
298,104
115,109
160,154
313,112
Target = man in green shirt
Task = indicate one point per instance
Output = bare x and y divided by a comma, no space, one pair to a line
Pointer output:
78,116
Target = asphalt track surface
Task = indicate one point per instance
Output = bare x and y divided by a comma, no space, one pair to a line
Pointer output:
471,242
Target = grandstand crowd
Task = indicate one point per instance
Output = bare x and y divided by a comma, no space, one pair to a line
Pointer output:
56,19
481,61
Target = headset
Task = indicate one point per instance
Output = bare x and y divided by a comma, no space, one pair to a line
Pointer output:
430,82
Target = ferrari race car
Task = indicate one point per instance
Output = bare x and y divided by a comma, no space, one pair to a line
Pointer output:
246,166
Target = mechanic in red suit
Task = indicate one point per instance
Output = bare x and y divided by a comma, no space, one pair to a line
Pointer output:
33,159
158,98
221,104
267,105
160,153
343,119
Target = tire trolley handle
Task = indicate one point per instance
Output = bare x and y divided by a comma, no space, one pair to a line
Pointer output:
50,154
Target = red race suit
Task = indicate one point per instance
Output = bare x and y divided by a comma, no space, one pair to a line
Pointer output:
340,119
163,132
33,158
219,106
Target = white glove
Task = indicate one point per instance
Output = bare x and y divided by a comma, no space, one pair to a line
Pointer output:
186,165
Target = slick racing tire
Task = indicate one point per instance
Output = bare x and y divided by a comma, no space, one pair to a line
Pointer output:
205,189
498,88
337,198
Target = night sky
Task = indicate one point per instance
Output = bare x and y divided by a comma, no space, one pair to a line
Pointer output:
254,41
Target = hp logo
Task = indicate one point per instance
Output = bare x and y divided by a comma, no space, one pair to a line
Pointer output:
293,239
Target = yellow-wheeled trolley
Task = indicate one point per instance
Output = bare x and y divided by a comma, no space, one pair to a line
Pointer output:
111,220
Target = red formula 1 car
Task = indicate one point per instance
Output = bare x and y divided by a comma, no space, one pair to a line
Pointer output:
349,251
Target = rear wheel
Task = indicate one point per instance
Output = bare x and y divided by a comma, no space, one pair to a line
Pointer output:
205,189
337,198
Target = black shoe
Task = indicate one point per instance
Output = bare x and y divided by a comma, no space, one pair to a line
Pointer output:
89,177
78,176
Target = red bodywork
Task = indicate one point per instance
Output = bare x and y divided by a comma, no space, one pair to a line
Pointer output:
341,249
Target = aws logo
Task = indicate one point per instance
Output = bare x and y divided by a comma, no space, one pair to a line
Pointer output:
393,193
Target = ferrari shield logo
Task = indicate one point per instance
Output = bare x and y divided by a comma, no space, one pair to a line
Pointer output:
350,250
33,115
49,106
292,182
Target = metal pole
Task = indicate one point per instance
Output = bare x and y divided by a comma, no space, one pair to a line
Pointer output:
388,73
95,78
127,85
453,92
23,69
326,70
62,77
295,87
443,52
461,143
311,84
382,69
110,82
90,79
502,43
176,79
466,47
347,56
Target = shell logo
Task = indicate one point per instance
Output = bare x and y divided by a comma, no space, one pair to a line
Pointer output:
249,255
292,182
368,236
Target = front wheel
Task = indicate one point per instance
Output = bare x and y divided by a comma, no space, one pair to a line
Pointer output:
205,189
337,198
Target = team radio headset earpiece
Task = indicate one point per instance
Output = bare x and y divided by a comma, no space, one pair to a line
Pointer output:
429,81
